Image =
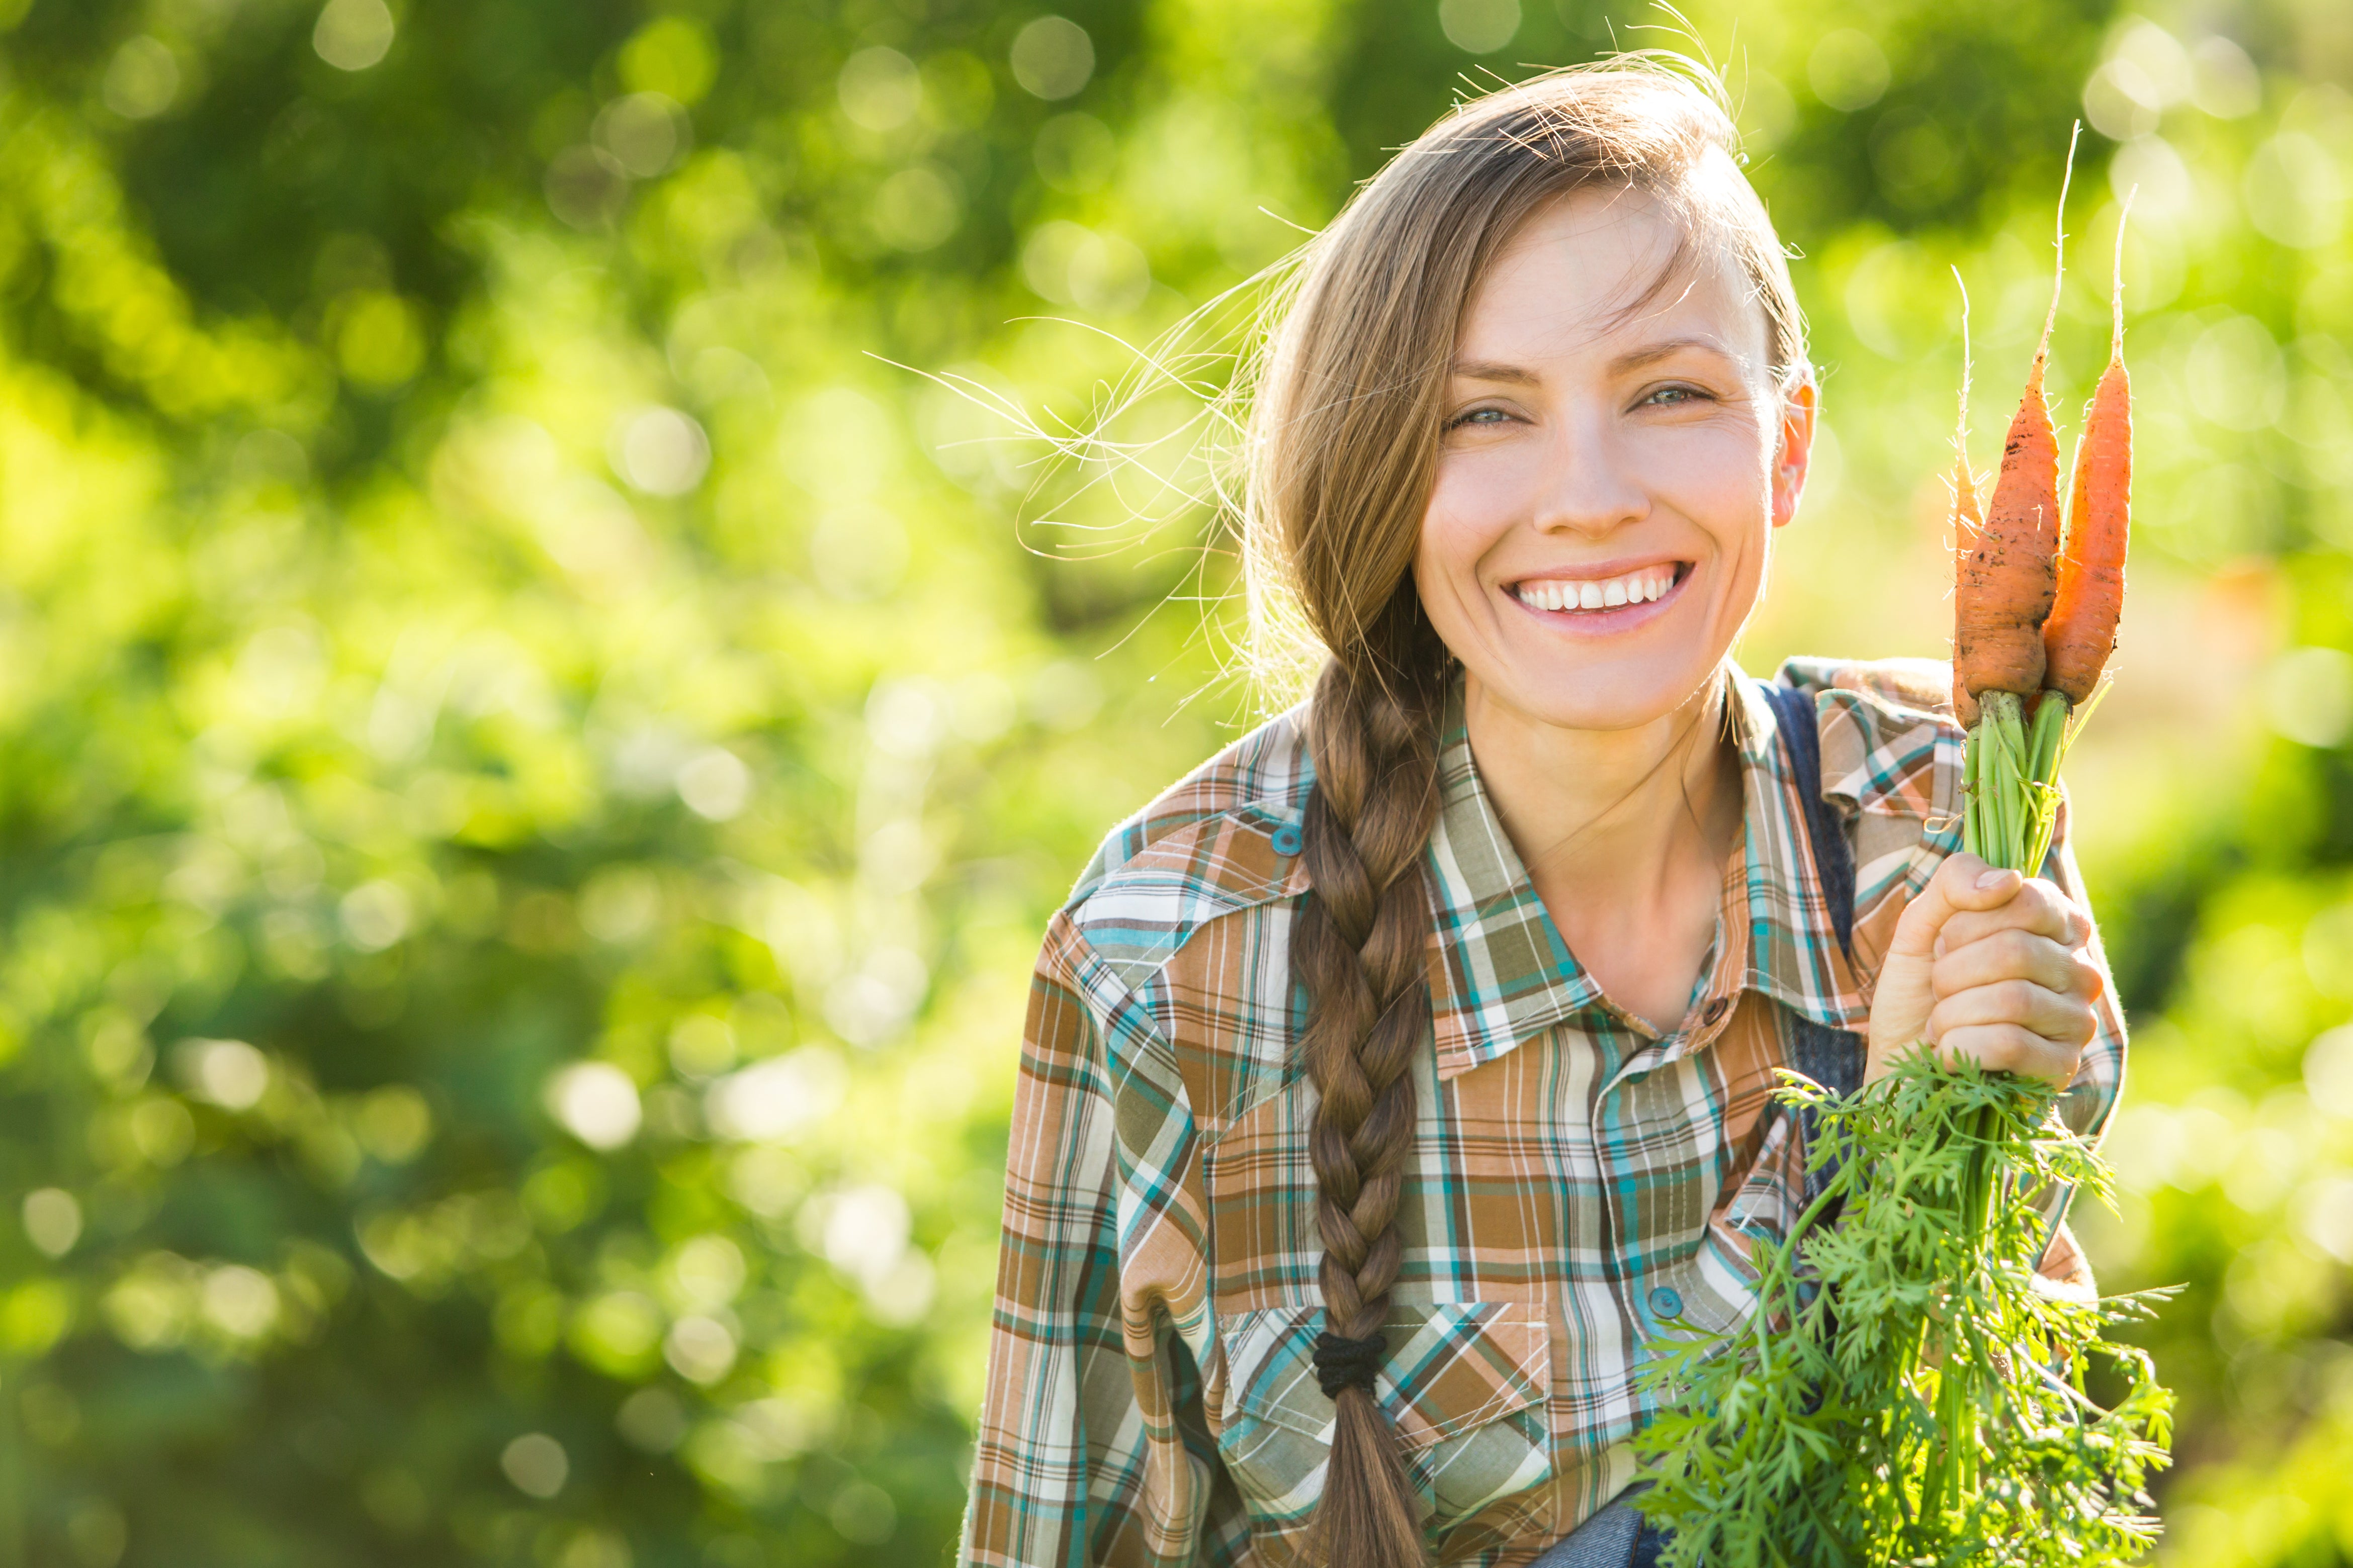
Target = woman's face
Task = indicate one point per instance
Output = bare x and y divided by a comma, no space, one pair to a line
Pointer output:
1609,471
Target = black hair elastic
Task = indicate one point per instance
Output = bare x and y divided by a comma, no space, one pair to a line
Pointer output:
1343,1362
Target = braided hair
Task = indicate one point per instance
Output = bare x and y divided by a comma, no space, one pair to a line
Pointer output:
1344,439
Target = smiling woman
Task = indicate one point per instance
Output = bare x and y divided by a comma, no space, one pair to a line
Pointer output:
1393,1079
1619,443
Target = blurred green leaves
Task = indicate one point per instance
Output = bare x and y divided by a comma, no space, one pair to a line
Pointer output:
538,758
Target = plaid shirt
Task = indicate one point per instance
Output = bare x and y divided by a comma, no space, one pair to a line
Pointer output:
1574,1178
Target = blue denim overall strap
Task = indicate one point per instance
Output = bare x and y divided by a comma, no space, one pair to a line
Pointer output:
1831,1058
1834,859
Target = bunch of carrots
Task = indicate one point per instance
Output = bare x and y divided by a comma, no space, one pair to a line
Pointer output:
2033,625
1906,1393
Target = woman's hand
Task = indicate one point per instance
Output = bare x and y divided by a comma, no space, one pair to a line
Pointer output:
1992,967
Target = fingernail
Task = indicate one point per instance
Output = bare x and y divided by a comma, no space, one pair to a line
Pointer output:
1989,880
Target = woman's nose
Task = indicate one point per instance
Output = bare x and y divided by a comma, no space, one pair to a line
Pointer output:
1585,485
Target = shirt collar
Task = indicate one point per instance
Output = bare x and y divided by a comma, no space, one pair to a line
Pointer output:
1500,973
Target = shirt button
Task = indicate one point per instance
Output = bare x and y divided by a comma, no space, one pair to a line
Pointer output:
1666,1302
1286,840
1714,1010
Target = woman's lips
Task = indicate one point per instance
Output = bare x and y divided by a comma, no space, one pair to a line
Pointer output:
1618,603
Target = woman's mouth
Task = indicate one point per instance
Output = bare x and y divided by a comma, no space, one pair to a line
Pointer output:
1609,601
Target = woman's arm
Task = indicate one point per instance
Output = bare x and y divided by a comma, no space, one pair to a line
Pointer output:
1090,1447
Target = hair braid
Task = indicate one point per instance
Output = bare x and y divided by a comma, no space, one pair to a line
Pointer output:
1348,397
1358,948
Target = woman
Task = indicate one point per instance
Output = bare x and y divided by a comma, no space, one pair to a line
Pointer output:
1392,1077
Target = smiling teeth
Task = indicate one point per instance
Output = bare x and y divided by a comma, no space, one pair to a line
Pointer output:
1599,593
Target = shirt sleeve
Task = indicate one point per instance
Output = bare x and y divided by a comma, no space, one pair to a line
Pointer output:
1091,1447
2091,1098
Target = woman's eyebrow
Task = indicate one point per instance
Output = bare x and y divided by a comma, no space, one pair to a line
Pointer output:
1632,359
1495,370
1650,353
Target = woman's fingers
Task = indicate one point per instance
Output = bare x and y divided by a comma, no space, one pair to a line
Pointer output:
1990,966
2007,1047
1964,886
2036,906
2018,955
2054,1016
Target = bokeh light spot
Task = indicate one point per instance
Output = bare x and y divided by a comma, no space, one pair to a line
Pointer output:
97,1532
377,339
597,1103
780,1099
240,1301
917,208
375,915
1478,26
1053,58
880,89
700,1349
2294,192
585,187
2328,1061
859,554
352,35
863,1513
1075,152
141,80
2237,376
701,1046
644,133
537,1464
2149,170
2223,81
2308,695
52,1220
1847,71
227,1073
660,451
714,783
394,1124
651,1419
672,56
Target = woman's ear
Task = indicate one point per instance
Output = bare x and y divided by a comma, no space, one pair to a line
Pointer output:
1799,400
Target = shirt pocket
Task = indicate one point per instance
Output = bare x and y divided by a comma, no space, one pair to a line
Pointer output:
1711,1291
1713,1287
1464,1386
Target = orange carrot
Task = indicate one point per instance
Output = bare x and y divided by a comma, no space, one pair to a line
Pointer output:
1968,523
2009,581
2081,630
1966,519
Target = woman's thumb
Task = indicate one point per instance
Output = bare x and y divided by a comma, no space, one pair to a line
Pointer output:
1962,882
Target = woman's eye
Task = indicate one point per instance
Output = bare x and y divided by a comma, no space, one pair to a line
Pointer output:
1477,417
1671,395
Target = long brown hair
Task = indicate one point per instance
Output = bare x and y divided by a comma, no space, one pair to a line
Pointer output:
1342,442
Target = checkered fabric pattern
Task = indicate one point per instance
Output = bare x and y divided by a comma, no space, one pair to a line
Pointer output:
1576,1176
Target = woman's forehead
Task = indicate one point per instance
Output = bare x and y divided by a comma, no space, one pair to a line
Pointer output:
1598,269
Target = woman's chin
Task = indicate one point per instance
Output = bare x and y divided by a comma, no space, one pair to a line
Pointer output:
1607,695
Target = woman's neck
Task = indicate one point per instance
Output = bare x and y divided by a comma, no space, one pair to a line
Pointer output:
1624,832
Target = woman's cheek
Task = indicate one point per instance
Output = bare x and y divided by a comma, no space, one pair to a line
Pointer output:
1467,516
1717,479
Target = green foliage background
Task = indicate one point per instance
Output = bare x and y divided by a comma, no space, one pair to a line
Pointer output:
536,759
